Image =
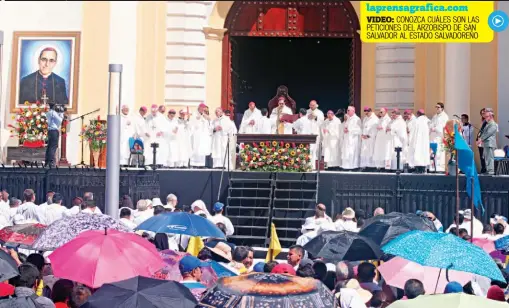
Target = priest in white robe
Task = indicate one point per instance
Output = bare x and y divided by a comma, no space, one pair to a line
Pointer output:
303,124
281,127
398,139
332,136
139,122
233,141
127,130
410,120
183,140
264,124
350,149
250,120
316,118
173,146
368,138
381,140
156,129
201,137
418,149
223,130
436,135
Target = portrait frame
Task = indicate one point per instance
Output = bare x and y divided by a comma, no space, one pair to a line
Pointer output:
68,43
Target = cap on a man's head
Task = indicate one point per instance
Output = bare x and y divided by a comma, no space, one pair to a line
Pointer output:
367,109
488,109
202,105
408,111
154,106
189,263
143,108
172,111
218,206
283,268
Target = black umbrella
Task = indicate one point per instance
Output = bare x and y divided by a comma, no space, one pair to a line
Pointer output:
383,228
335,246
142,292
8,267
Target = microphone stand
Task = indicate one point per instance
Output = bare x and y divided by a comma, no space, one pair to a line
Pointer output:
82,117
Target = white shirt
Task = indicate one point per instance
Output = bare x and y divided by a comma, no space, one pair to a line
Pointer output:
348,225
142,216
128,223
95,210
51,213
219,218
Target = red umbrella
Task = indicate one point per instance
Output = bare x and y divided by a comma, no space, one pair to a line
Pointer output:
97,257
23,235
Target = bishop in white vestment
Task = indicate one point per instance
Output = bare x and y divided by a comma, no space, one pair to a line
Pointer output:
223,129
127,130
398,139
410,120
280,126
316,117
418,149
172,139
436,135
382,139
332,136
201,137
368,138
264,125
156,128
139,122
183,140
250,120
350,149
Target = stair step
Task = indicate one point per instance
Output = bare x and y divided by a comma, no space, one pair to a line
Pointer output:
296,181
294,199
247,207
250,217
252,227
249,198
250,188
288,219
287,229
287,239
297,190
240,180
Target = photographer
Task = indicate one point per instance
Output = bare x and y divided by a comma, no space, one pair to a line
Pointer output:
54,117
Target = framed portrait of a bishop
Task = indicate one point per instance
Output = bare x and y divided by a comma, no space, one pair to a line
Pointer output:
45,68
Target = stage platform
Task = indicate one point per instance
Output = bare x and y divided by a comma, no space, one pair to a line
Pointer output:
337,190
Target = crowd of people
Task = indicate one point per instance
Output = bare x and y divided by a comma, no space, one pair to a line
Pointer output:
347,141
355,284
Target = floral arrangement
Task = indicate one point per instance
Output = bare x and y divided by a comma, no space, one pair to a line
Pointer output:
95,133
31,125
275,156
448,139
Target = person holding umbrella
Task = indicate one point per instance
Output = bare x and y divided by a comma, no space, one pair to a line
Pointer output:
190,269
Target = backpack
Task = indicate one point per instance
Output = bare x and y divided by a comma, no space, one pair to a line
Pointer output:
20,302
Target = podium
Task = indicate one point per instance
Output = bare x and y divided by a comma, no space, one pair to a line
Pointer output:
275,153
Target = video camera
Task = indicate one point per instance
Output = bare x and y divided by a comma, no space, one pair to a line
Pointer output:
58,107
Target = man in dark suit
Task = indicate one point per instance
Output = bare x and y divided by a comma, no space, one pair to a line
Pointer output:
480,148
44,85
488,140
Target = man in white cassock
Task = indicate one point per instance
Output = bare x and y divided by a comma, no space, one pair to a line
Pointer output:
139,122
418,149
127,130
233,141
368,138
201,137
398,139
350,149
173,146
316,117
436,135
281,127
156,129
183,140
410,120
381,140
223,129
303,124
332,137
250,120
264,124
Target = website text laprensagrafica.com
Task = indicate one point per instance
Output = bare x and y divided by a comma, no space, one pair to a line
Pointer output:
412,9
426,21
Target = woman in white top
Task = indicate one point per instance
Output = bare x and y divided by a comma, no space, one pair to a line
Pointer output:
219,218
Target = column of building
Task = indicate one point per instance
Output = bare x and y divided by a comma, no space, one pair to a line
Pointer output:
457,79
394,79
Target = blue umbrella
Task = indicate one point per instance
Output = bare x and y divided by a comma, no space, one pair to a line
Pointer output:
220,270
445,251
181,223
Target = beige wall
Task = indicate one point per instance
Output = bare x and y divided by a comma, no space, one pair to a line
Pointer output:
150,53
94,63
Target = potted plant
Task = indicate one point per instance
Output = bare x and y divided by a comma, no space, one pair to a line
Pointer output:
95,134
31,126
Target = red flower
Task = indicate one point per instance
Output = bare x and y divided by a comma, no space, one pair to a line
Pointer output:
296,166
282,144
255,145
293,145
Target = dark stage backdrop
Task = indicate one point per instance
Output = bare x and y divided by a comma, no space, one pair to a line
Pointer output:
311,68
